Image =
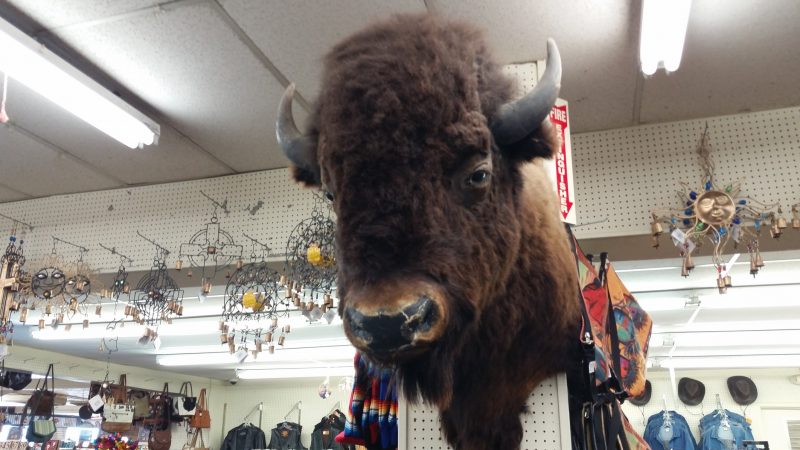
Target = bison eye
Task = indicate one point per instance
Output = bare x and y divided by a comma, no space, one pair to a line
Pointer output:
479,178
329,195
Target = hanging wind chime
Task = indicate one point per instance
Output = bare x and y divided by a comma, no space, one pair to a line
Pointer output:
119,287
209,250
156,298
311,263
12,276
253,307
717,214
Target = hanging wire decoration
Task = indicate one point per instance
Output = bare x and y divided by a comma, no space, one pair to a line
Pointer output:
717,214
12,278
156,298
311,263
252,306
119,287
80,280
211,246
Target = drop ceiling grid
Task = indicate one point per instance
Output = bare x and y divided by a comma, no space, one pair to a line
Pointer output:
621,175
167,213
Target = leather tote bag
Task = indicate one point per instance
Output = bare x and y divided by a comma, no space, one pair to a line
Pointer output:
201,418
42,400
186,403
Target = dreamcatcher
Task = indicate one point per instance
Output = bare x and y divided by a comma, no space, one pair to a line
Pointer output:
209,249
156,298
311,263
12,275
252,307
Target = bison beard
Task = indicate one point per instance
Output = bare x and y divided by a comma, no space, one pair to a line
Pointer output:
453,264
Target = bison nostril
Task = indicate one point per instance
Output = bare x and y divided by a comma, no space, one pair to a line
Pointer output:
385,332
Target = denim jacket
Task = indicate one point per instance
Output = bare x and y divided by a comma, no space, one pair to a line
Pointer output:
713,436
682,438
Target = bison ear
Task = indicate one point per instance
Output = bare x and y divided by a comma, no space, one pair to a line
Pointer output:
543,143
300,149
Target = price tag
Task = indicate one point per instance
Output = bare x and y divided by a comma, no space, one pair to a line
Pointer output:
96,403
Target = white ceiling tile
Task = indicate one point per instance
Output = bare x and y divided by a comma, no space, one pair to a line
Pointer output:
10,195
192,68
736,58
33,168
173,159
52,14
296,35
597,42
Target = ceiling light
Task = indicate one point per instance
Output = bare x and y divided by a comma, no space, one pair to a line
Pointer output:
727,339
28,62
130,331
663,32
731,362
336,353
316,372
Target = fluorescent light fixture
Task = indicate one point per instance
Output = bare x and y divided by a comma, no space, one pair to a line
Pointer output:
29,63
313,372
738,338
337,353
663,32
731,362
128,331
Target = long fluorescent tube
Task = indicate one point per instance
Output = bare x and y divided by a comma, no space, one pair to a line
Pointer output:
731,362
663,33
315,372
128,331
764,338
28,62
337,353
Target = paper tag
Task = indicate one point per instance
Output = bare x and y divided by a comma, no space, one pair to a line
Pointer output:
592,366
96,403
678,237
326,432
689,246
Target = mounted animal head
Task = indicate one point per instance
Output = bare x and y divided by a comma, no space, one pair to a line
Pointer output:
426,158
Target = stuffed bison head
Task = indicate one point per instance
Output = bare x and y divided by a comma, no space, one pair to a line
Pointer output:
453,264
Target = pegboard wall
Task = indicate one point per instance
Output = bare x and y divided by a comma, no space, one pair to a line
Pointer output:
621,175
266,205
420,428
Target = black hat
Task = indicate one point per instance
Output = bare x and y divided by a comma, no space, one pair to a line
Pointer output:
15,379
85,412
644,397
690,391
742,389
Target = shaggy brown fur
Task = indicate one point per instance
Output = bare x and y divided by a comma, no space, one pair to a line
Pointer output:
401,120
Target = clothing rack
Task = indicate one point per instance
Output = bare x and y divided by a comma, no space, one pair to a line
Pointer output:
297,407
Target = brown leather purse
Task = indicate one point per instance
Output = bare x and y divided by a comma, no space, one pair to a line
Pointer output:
42,400
160,439
119,392
201,417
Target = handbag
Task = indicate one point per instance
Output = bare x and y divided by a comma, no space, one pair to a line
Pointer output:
118,417
119,392
159,439
186,404
42,400
41,430
192,445
14,379
201,417
140,400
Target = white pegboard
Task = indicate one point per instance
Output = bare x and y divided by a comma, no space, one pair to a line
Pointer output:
621,175
545,426
168,213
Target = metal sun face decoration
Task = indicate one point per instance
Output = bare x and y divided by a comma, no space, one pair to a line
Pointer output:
311,263
209,249
253,307
717,214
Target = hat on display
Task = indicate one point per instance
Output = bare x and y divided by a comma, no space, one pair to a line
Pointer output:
85,412
644,397
742,389
691,391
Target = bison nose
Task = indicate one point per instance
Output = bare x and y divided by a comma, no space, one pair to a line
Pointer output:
384,332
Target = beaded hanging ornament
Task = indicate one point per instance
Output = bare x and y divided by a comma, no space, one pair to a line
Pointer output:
717,215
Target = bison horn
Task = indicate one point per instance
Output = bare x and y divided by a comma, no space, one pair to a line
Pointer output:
518,119
297,147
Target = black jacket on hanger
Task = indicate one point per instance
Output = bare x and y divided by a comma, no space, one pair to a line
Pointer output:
245,437
322,438
286,436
